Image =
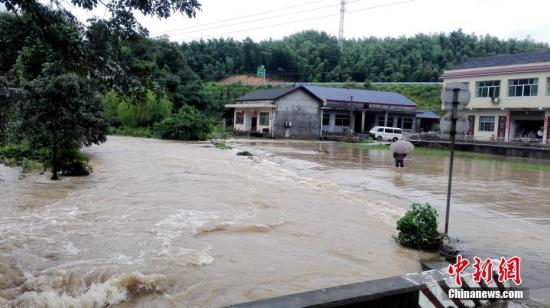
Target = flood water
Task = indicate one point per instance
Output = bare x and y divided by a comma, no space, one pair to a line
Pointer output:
163,223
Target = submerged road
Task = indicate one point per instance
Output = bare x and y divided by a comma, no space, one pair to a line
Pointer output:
165,224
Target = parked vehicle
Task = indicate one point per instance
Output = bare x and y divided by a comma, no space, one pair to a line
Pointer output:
386,133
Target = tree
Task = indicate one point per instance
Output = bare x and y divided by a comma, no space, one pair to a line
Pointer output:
315,56
62,65
188,124
160,8
62,112
9,98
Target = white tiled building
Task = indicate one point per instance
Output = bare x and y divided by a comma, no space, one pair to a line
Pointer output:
510,97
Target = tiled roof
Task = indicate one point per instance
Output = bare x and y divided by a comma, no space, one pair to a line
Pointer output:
360,96
426,114
333,95
502,60
266,94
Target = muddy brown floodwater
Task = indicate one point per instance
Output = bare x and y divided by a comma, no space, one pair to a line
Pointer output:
184,224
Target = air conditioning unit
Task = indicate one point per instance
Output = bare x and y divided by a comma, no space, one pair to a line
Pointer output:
495,100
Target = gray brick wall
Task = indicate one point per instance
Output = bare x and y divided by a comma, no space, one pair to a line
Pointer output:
304,113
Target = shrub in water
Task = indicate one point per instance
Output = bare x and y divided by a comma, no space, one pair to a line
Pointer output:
188,124
418,228
72,163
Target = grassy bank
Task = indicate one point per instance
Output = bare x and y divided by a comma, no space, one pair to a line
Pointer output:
21,155
518,165
72,163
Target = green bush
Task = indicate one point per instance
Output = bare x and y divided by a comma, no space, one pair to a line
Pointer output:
188,124
136,114
29,165
144,132
72,163
18,152
418,228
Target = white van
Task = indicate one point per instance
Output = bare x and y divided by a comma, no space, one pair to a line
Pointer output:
386,133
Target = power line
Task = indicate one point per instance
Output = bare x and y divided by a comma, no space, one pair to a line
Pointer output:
243,17
303,20
253,20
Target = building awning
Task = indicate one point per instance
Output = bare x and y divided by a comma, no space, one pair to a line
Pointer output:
250,106
427,114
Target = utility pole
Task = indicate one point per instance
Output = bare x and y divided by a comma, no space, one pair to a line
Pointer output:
342,15
454,119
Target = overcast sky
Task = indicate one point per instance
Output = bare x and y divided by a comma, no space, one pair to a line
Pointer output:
264,19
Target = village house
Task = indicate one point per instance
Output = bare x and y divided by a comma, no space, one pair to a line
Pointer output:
510,97
312,111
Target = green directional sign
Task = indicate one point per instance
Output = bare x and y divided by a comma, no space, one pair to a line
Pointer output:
261,71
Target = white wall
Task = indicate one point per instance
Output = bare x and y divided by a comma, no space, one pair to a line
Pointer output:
541,100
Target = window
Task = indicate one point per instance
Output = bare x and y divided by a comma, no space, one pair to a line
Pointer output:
397,131
326,119
380,130
380,121
523,87
342,120
407,123
264,118
548,86
389,130
399,122
239,118
486,124
489,88
390,122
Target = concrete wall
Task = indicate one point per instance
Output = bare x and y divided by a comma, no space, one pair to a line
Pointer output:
332,128
303,111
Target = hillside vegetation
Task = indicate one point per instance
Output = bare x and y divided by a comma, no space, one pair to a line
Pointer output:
314,56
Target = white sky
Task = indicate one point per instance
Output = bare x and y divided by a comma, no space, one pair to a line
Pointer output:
501,18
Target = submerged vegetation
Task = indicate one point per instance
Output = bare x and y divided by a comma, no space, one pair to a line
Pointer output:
418,228
24,156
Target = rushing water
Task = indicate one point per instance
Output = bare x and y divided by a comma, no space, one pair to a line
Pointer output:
184,224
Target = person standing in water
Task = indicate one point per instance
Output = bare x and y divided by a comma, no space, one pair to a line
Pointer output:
399,159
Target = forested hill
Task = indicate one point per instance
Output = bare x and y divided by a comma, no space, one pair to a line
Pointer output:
314,56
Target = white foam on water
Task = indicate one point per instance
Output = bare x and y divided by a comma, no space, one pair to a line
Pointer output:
184,221
237,227
115,290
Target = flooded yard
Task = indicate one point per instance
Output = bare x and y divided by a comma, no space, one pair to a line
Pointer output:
185,224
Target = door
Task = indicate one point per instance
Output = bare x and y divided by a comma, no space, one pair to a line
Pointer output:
254,124
471,123
357,123
370,121
501,127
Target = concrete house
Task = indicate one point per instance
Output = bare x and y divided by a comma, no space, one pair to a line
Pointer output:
312,111
510,97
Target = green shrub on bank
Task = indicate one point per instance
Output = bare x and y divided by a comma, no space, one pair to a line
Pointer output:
136,114
418,228
188,124
144,132
16,154
71,163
